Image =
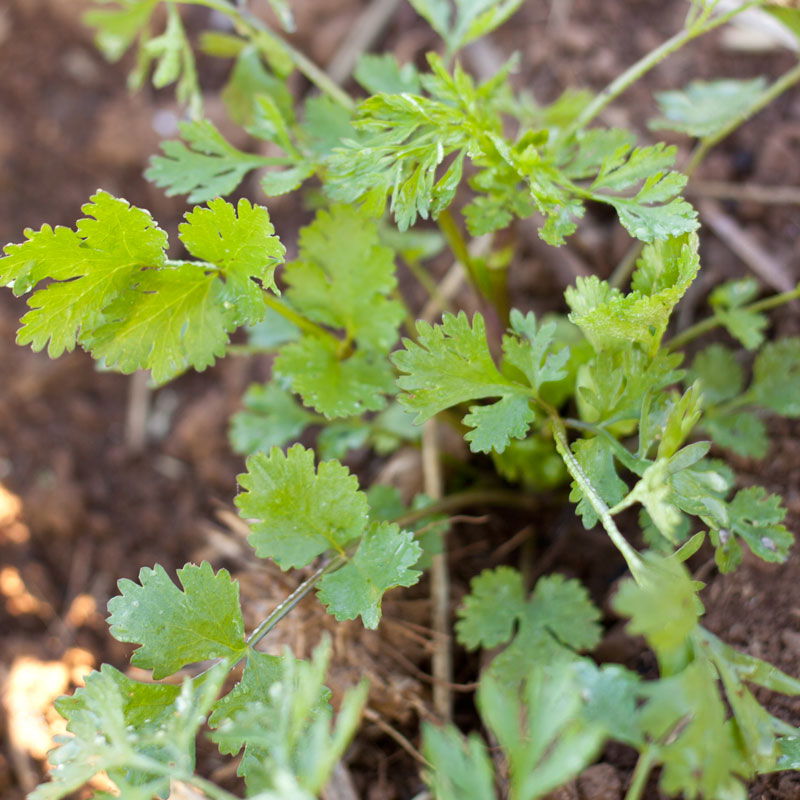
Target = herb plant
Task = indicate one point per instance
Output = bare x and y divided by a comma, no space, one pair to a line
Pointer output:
603,398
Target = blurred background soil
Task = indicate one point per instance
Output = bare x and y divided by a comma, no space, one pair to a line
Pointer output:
83,504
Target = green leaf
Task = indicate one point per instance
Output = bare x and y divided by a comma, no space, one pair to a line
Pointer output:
117,723
240,242
756,517
546,738
489,613
464,20
300,512
295,754
335,386
460,768
609,318
174,626
206,166
343,277
383,560
663,607
742,433
728,301
558,620
596,458
495,425
449,364
271,418
91,265
249,81
261,673
704,108
171,319
776,377
118,25
383,74
529,350
719,372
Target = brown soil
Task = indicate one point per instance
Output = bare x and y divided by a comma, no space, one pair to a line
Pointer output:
79,509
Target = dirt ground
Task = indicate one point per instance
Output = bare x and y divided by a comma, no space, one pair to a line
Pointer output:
81,505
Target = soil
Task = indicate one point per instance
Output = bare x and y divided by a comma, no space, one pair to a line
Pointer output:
82,505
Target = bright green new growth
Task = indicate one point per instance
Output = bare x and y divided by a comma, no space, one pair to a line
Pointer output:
114,292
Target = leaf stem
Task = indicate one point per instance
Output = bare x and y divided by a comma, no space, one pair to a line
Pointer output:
632,558
263,37
640,774
290,601
708,324
306,325
701,26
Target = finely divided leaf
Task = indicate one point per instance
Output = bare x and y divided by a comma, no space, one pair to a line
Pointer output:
204,167
299,511
384,559
175,627
117,725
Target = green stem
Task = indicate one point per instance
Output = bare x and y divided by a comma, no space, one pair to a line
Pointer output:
306,325
706,325
630,555
786,81
289,602
264,38
640,774
620,84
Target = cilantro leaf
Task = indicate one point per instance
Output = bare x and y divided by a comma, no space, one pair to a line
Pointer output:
529,350
663,607
206,166
728,301
295,754
299,511
495,425
271,418
176,627
333,385
596,458
609,318
171,319
461,768
742,433
383,74
704,108
464,20
558,619
543,731
118,24
91,265
115,293
117,725
720,374
776,377
383,560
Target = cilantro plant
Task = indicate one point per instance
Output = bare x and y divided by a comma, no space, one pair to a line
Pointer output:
601,403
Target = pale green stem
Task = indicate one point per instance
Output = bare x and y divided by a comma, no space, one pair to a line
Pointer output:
257,30
289,602
653,58
630,555
706,325
640,775
298,319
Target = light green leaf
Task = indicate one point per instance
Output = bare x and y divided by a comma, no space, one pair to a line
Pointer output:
495,425
489,612
776,377
271,418
175,627
117,723
705,108
460,768
238,240
728,301
299,511
719,372
205,167
335,386
383,560
384,74
596,458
